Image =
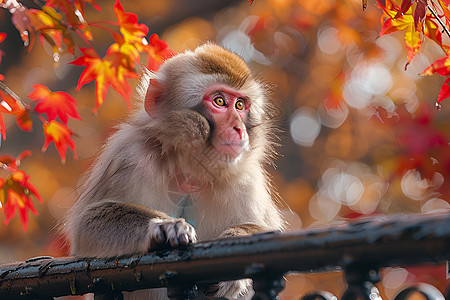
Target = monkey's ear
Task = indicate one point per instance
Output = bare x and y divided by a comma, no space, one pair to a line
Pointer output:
153,96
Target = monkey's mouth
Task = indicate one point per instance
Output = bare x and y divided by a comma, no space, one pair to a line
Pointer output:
233,150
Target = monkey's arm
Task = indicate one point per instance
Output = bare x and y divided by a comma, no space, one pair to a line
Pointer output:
113,228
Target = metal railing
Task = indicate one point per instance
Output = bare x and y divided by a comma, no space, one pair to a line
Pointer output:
359,248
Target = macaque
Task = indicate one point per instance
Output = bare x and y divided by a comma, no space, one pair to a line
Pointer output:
188,166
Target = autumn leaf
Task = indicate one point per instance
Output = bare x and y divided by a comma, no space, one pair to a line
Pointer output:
440,66
79,4
158,51
74,17
2,38
420,12
54,104
129,26
112,70
61,136
444,93
46,22
9,105
126,49
13,162
399,22
133,38
67,7
431,30
15,194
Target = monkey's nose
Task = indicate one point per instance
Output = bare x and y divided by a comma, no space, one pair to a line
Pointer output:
239,131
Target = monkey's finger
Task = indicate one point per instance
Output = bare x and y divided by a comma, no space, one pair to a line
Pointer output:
157,235
171,234
184,239
185,232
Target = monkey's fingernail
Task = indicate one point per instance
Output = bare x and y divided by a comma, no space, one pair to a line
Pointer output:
184,240
159,237
174,242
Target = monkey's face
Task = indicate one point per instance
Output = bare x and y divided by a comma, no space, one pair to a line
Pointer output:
228,110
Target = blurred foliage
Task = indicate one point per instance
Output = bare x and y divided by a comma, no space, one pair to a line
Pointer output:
360,133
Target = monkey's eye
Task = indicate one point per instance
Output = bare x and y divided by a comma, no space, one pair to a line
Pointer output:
240,105
219,101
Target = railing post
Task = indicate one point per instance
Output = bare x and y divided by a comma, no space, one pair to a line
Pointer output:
109,296
320,295
182,292
361,280
268,288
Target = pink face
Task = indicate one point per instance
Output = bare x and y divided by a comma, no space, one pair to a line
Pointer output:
228,110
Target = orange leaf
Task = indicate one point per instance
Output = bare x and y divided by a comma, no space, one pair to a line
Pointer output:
24,121
10,105
431,30
2,127
54,104
444,93
2,38
126,49
69,10
112,70
46,22
15,194
158,50
129,22
440,66
13,162
61,136
79,4
400,22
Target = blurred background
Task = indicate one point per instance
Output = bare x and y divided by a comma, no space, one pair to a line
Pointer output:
360,134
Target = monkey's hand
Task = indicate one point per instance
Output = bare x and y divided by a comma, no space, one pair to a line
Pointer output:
233,290
237,289
174,232
181,128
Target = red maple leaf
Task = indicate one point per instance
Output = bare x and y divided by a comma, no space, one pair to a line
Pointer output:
112,70
442,67
2,38
10,105
61,136
54,104
158,51
129,23
398,21
12,162
79,4
15,194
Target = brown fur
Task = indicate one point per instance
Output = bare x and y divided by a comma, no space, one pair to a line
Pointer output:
216,60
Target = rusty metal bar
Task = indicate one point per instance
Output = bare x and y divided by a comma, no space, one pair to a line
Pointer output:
360,245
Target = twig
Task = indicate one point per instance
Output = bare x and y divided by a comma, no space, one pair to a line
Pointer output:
7,90
439,20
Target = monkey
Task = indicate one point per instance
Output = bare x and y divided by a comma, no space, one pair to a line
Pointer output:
189,165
